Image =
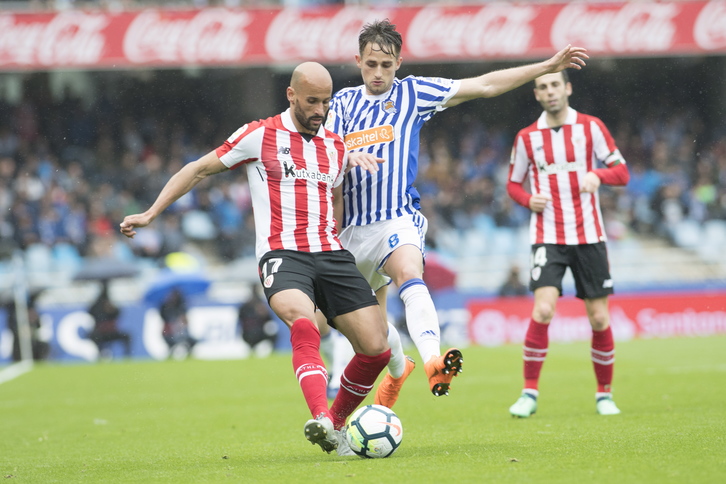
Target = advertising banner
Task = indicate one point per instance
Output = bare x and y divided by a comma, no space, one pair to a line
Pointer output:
98,39
464,319
503,321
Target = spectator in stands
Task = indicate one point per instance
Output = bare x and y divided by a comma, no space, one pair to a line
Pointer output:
256,325
105,315
132,114
173,312
558,153
513,285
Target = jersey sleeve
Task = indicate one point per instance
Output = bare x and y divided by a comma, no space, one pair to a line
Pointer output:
518,160
343,168
432,93
518,170
243,146
615,171
604,145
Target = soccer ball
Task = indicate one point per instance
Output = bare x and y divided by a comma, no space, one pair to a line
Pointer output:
374,431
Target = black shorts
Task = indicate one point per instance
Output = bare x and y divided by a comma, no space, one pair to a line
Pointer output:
588,263
330,279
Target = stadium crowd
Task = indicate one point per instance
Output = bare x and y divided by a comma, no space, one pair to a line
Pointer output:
71,169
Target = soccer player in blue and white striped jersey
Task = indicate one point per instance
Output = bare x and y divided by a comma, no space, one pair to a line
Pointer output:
381,222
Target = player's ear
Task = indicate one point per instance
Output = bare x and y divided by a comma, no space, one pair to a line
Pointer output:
358,60
290,94
398,62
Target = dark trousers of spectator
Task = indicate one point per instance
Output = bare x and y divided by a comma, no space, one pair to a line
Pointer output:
102,340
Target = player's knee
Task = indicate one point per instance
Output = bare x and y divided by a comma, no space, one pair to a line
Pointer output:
543,312
374,344
599,321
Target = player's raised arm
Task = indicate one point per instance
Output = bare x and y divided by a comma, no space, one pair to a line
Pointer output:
178,185
494,83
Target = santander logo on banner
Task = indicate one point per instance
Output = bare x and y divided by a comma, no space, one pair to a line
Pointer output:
497,29
630,27
210,36
294,35
709,31
72,38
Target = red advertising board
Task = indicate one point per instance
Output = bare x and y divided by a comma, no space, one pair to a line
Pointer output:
225,37
501,321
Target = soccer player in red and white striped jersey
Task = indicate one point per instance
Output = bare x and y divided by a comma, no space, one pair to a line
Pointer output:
560,153
293,163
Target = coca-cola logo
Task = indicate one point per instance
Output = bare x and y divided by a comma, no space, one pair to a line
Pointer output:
299,35
493,30
709,31
210,36
72,38
630,27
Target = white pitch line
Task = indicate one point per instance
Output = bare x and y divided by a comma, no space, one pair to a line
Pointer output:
15,370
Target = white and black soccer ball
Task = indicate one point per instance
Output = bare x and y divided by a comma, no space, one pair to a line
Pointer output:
374,431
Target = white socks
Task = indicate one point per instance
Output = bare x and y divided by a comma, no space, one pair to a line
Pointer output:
421,318
397,365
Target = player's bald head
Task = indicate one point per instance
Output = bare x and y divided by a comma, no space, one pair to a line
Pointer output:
311,75
309,93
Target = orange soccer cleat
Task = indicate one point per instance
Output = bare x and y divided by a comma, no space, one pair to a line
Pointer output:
442,369
388,390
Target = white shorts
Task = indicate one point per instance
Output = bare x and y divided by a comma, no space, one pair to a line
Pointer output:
372,244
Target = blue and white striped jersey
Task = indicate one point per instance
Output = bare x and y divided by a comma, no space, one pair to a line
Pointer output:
388,126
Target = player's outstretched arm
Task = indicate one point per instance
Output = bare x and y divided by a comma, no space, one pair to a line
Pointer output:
494,83
179,184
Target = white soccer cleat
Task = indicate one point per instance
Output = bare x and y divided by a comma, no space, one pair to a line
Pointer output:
525,406
606,406
343,446
320,431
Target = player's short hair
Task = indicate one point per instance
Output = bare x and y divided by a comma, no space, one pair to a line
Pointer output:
565,77
383,33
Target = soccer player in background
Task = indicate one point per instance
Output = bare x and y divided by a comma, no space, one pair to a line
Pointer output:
293,163
559,152
382,225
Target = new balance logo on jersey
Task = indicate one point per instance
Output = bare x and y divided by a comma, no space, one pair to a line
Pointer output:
283,150
290,171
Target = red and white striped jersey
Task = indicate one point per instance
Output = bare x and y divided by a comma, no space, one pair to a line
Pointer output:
556,160
291,182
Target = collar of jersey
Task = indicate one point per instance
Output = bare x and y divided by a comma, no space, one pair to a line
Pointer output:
379,97
571,118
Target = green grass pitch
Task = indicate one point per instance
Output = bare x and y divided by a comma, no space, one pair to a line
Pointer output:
242,421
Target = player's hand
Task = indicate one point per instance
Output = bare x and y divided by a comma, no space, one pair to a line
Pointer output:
590,183
568,58
366,161
538,202
133,221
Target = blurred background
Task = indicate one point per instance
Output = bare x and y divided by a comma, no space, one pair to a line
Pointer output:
102,101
